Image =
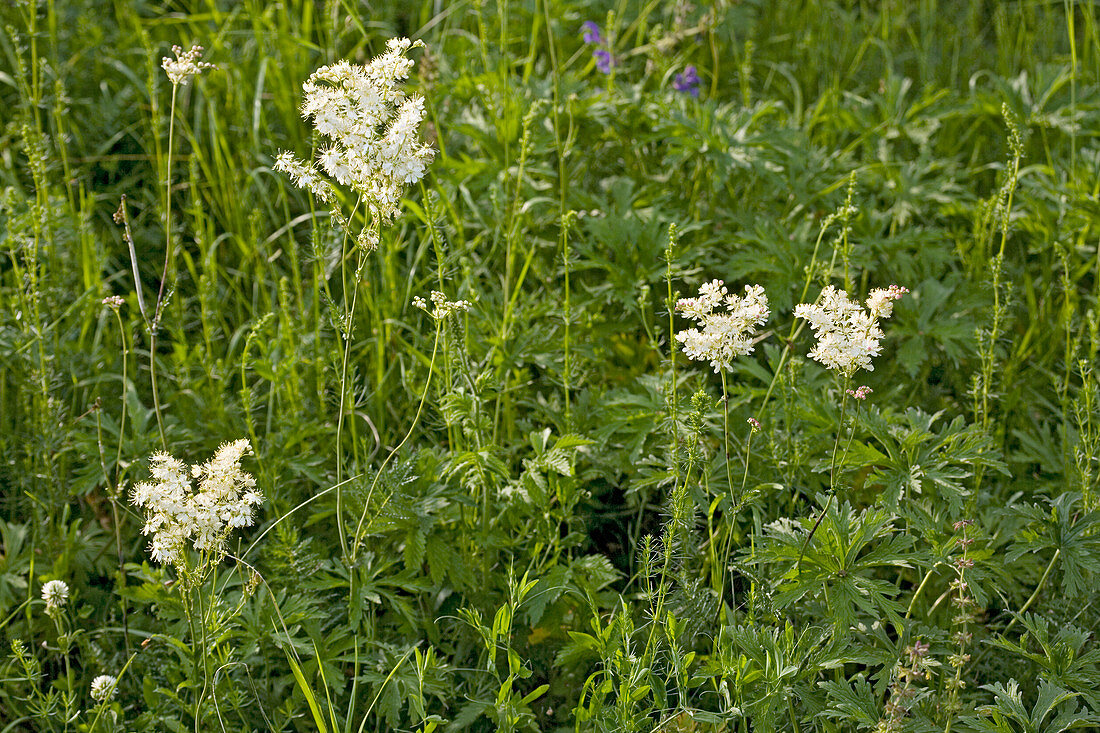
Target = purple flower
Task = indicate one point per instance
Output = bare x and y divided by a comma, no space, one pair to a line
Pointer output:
604,62
592,33
687,81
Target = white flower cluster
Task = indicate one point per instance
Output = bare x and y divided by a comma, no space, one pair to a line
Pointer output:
103,687
725,335
185,65
847,335
175,513
443,307
55,593
372,126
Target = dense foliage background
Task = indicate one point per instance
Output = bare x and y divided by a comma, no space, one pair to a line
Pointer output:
580,531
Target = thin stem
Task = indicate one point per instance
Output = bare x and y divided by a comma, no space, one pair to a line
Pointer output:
832,477
734,504
416,419
68,671
190,605
155,325
1035,594
349,317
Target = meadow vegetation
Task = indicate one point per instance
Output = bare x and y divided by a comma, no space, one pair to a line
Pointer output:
439,420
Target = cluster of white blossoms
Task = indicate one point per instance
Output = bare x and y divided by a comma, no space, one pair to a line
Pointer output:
103,687
56,594
726,334
372,125
176,513
442,307
847,335
185,65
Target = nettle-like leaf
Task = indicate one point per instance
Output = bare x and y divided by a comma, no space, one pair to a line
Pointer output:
578,579
914,458
1054,711
551,457
1061,655
1074,538
840,563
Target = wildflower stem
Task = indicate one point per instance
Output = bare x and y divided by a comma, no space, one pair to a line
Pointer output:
112,496
673,394
567,364
63,646
832,476
359,529
189,604
349,317
155,325
203,647
1035,593
735,504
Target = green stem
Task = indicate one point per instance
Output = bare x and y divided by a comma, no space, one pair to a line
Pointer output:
1035,594
832,478
416,419
349,316
164,271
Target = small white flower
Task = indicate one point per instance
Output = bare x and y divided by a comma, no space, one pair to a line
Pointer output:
725,335
55,593
175,513
847,335
443,307
185,65
373,127
103,687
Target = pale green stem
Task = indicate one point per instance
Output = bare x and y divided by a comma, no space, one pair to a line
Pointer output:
164,272
349,316
416,420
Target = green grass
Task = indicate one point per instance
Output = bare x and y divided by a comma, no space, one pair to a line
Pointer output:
540,515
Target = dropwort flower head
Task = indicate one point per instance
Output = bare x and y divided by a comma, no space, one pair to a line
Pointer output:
442,307
103,687
372,127
725,335
175,513
687,82
56,594
847,335
185,65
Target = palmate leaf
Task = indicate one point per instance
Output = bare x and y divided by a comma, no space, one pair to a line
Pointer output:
1076,539
1061,656
840,562
775,665
1008,714
921,459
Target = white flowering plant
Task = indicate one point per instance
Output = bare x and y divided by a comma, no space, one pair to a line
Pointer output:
729,323
371,127
181,517
519,470
847,335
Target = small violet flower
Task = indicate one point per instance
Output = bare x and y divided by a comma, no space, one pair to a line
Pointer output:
688,81
592,33
604,62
